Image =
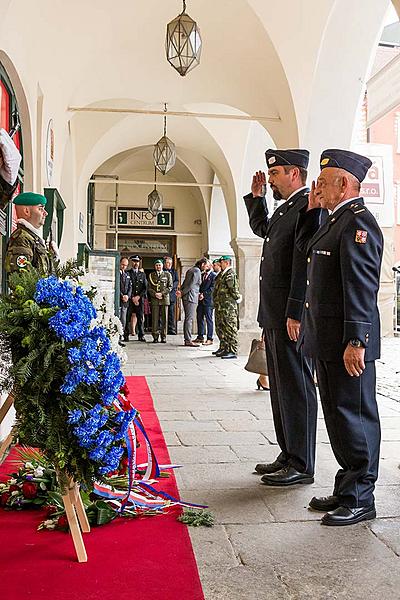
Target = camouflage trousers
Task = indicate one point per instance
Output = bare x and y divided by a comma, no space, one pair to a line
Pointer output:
226,328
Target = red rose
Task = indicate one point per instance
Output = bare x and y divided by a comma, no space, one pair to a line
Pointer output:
50,510
4,498
29,489
14,488
62,522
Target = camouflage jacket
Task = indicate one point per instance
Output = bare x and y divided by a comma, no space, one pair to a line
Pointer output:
26,249
159,282
226,290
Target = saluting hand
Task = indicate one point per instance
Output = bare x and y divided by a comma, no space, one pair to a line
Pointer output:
313,201
293,329
258,184
354,360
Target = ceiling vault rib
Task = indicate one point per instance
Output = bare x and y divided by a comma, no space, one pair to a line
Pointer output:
173,113
158,182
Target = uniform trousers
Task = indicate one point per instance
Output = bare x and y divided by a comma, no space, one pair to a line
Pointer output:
293,400
138,311
205,312
158,320
171,318
227,325
352,421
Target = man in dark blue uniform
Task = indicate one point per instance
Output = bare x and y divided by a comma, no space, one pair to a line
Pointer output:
282,289
205,307
139,290
341,330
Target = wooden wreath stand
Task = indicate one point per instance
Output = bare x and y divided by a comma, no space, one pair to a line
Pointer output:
74,509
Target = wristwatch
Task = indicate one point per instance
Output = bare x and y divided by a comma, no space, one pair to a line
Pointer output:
356,343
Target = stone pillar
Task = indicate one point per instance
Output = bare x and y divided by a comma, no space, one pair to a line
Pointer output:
248,253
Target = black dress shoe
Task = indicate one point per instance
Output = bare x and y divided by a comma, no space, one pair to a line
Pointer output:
142,339
269,468
155,341
287,476
121,344
227,355
163,341
217,351
345,515
324,503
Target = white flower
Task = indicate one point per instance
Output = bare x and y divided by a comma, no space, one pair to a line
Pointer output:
38,472
29,465
42,485
49,524
2,486
15,493
13,481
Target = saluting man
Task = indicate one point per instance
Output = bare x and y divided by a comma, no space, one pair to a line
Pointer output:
159,288
341,330
282,289
227,298
26,248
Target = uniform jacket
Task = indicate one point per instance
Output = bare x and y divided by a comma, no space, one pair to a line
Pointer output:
175,283
125,285
24,249
343,267
207,288
139,282
191,285
227,291
283,267
160,282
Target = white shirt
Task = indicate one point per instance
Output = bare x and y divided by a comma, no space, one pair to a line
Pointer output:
343,203
296,192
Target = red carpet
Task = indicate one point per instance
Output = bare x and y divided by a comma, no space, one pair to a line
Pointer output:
148,558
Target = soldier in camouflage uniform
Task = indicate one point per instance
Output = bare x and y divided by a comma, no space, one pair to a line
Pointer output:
26,248
158,288
226,300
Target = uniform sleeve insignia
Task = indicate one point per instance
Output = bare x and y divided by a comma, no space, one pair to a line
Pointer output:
361,236
22,261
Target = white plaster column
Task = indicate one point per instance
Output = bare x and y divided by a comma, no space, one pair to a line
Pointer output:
248,253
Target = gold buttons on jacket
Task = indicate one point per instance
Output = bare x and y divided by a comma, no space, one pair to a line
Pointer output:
267,239
308,259
281,214
308,282
307,305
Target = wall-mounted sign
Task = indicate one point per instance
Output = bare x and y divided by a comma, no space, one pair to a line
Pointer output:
137,245
377,189
50,152
141,218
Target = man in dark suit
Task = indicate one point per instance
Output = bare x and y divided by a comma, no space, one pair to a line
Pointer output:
125,287
172,295
282,290
189,292
139,290
205,307
341,330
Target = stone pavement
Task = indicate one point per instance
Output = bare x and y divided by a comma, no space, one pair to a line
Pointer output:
266,544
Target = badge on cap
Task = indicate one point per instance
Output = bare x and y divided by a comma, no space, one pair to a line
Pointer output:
361,236
21,261
271,160
324,161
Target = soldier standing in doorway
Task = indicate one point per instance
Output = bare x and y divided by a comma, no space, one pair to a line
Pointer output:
139,290
159,288
227,298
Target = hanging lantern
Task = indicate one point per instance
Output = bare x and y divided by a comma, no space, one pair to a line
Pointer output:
164,154
183,43
155,199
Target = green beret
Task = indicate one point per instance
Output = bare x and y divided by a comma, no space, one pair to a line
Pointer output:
216,260
158,262
225,257
29,199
